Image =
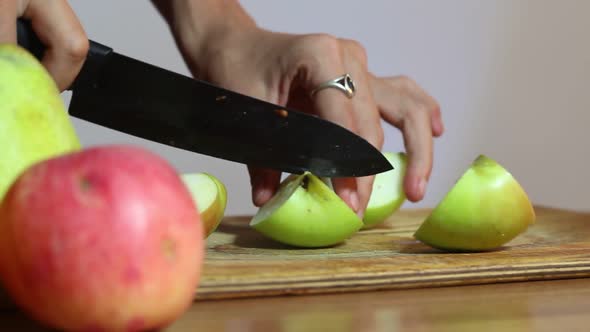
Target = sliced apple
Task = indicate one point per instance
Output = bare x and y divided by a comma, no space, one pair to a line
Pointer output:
388,193
210,196
306,212
485,209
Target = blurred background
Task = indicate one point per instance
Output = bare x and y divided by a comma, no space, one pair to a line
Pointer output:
512,78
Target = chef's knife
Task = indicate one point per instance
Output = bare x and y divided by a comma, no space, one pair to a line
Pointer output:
128,95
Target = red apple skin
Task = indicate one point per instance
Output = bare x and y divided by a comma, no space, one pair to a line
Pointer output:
105,239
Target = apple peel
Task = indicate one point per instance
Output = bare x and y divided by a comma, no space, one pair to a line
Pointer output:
485,209
387,194
210,197
306,212
34,124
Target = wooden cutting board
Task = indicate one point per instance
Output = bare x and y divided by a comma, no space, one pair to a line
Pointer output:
242,263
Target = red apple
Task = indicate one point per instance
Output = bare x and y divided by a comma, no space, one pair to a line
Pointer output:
103,239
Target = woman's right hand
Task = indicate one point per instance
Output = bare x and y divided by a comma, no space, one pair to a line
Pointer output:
58,28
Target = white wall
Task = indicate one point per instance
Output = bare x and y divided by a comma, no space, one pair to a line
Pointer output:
512,77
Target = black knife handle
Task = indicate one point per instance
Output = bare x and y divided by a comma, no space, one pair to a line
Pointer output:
96,57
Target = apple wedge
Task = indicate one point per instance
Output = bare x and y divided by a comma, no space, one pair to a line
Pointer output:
210,196
485,209
387,194
306,212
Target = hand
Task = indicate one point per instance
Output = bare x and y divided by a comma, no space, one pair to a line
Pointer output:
284,68
57,27
287,67
405,105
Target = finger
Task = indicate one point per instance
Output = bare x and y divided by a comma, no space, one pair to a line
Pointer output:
438,127
264,184
388,97
433,108
8,15
389,93
57,27
403,104
417,134
325,62
365,112
326,103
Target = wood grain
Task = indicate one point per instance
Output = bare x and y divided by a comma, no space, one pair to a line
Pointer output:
242,263
556,305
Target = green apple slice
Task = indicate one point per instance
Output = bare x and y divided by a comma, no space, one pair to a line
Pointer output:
388,193
485,209
306,212
210,196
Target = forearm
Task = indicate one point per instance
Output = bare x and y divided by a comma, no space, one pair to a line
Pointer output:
195,23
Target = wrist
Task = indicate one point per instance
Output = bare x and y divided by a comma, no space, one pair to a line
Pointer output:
202,27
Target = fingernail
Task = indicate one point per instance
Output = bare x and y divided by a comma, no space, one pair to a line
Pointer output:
261,196
421,186
361,214
354,200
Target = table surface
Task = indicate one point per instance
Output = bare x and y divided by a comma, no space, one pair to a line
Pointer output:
562,305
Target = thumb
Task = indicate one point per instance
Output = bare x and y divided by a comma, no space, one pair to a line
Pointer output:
264,184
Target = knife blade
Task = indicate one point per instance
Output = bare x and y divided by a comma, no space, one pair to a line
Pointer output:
143,100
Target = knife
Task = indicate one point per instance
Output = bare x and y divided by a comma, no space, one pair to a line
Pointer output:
140,99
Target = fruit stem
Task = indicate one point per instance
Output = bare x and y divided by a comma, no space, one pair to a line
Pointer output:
305,182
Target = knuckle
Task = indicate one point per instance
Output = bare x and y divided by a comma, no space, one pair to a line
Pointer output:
406,82
417,114
77,47
434,107
322,44
315,54
348,121
411,87
378,137
357,50
351,124
375,135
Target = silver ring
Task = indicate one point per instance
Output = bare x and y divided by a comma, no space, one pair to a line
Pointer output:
343,83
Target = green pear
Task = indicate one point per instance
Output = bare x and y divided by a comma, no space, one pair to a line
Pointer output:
34,124
306,212
387,195
485,209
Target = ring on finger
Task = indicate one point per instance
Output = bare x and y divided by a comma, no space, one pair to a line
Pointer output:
344,83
